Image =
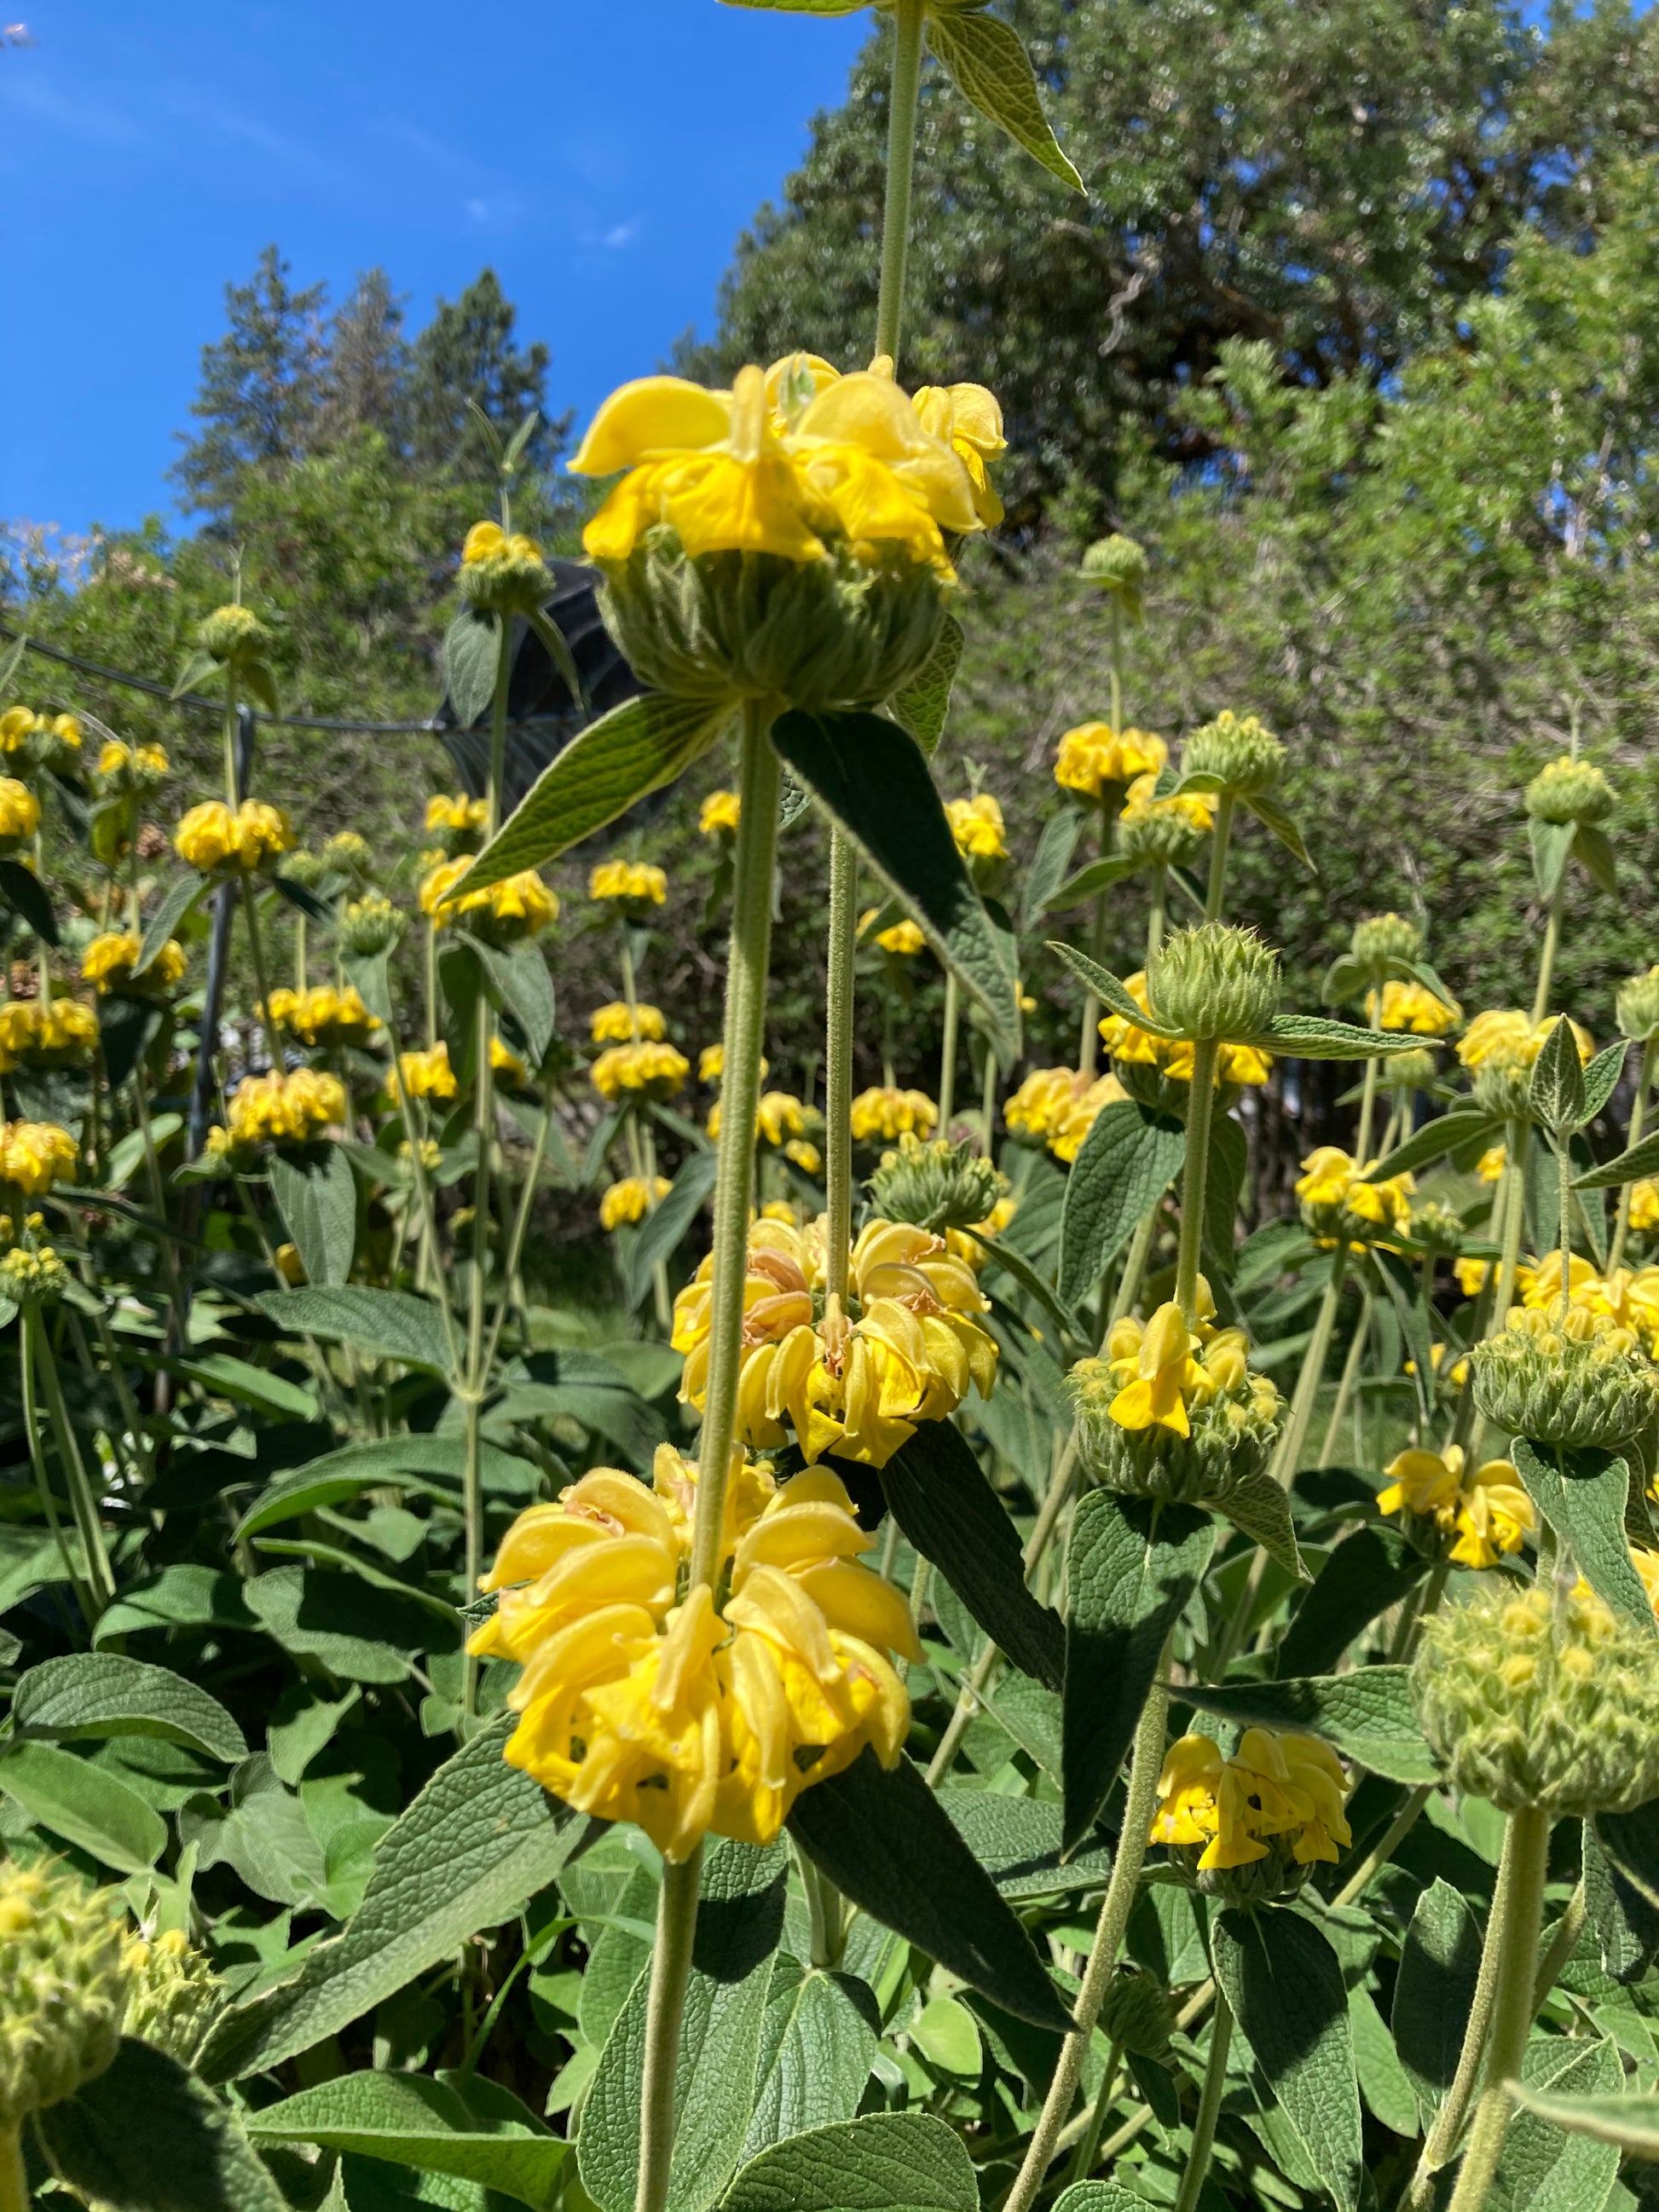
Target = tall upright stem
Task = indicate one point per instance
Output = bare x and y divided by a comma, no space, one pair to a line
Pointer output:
1288,1452
838,1062
947,1059
1526,1842
1200,1111
901,101
1350,1377
1518,1136
255,946
1155,913
671,1969
14,2178
1088,1048
1361,1147
82,1498
1540,997
1220,838
1209,2107
84,1597
1633,1137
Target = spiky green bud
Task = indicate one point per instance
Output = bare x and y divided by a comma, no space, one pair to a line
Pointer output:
1569,790
37,1277
1637,1007
938,1186
302,867
503,573
1119,566
62,1987
370,925
1160,832
1137,2012
1383,941
233,636
346,853
1437,1227
1214,981
1411,1071
1544,1698
174,1994
1574,1379
1231,1435
1245,758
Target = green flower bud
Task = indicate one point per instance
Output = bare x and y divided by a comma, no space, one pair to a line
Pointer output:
1386,941
1574,1379
37,1277
232,636
370,925
836,632
1244,758
1214,981
175,1995
1231,1435
1637,1007
503,573
1502,1087
303,868
938,1186
1119,566
346,853
1137,2012
1545,1698
1437,1227
1160,833
1569,790
1411,1071
62,1987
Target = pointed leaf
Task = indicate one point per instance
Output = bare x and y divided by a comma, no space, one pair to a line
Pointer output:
1551,848
1310,1037
102,1693
989,66
86,1805
1130,1569
519,975
1108,990
1401,1281
558,647
870,779
472,652
1631,2122
1224,1187
181,896
1623,1910
1048,864
1557,1090
1283,1982
1016,1840
301,896
196,670
1257,1506
661,1231
634,749
27,897
817,2045
1630,1167
1271,815
466,2127
1545,2168
1125,1164
385,1324
882,2162
1367,1713
1434,1991
924,703
1602,1078
147,2136
1593,850
1584,1497
885,1842
1346,980
1362,1577
1098,876
316,1195
1437,1140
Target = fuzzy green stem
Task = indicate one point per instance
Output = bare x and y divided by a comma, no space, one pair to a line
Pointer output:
1440,2146
1564,1226
838,1062
1088,1048
1199,1109
1135,1264
902,103
1156,913
1350,1377
1288,1456
14,2176
520,1227
82,1501
1362,1149
1088,2149
1517,1136
255,946
1209,2107
299,951
472,1480
746,1014
1116,663
1540,997
671,1968
1526,1841
966,1706
947,1058
83,1594
1145,1761
1220,838
1564,1942
1633,1137
1378,1856
987,1101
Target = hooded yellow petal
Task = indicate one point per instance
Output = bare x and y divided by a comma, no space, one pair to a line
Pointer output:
651,415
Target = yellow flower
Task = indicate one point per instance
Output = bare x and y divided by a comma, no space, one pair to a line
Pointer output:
976,824
1644,1204
856,463
1336,1201
1506,1037
20,813
212,838
639,1071
721,812
631,1199
15,725
34,1155
1134,1047
130,768
1412,1007
636,881
1196,808
459,812
503,571
1491,1162
638,1704
1489,1511
295,1108
618,1023
35,1035
323,1017
1289,1786
290,1266
807,1157
1074,1122
969,1248
1164,1375
884,1113
904,938
428,1074
1095,756
508,1065
969,420
1035,1110
779,1118
908,1349
518,907
109,960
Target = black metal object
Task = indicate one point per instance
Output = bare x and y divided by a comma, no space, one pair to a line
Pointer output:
224,909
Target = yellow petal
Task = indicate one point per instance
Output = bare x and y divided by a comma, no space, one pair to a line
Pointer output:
651,415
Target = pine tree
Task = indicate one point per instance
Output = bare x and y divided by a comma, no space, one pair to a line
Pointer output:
468,352
365,382
260,391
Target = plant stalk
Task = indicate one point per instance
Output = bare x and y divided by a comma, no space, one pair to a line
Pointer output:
1209,2107
1633,1137
1200,1111
902,98
1440,2146
947,1059
1540,997
671,1969
78,1581
82,1501
14,2176
838,1063
1526,1844
1220,838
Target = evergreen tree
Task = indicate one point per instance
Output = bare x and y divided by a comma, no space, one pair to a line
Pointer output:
260,391
468,352
365,381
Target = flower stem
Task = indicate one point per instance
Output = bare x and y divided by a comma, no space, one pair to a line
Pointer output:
255,946
1633,1137
1134,1265
902,103
14,2177
947,1059
671,1968
1350,1377
83,1596
1526,1844
1088,1048
1443,2139
1289,1454
1540,997
1088,2149
987,1101
1156,913
838,1063
1200,1107
1145,1761
83,1502
746,1013
1220,837
1209,2107
1518,1135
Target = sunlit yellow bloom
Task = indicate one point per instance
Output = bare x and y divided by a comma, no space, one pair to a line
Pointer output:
428,1074
16,724
807,1157
631,1199
1137,1047
1488,1510
1094,756
519,906
459,812
976,824
1458,1377
1508,1037
295,1108
1165,1375
903,939
212,838
34,1155
1414,1007
35,1035
108,962
322,1016
20,813
1644,1204
1074,1122
711,1064
639,1071
621,1023
1337,1200
884,1113
1630,1298
968,419
779,1117
508,1064
968,1247
1034,1111
1646,1565
721,812
1196,808
638,1703
637,881
290,1266
1489,1168
908,1349
1290,1786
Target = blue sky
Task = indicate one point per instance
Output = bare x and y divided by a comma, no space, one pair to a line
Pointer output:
603,158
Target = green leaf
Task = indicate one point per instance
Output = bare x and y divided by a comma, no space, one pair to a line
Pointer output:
218,1375
1544,2169
478,1840
370,974
1109,990
1459,1131
1258,1507
1363,1575
1002,1252
1630,1167
147,2136
1434,1991
1367,1713
1018,1841
1601,1076
1593,850
944,1503
872,780
466,2127
316,1195
397,1463
1271,816
472,652
660,1232
1400,1280
946,2034
1584,1496
1556,1093
1620,1866
634,749
101,1693
197,669
1097,2197
1384,2084
27,897
301,896
1224,1188
886,1844
559,653
739,1924
1131,1568
126,1030
86,1805
1631,2122
363,1635
923,705
521,980
1099,876
817,2044
1283,1982
1313,1036
1346,980
1048,864
883,2162
385,1324
1551,848
181,896
988,64
1125,1164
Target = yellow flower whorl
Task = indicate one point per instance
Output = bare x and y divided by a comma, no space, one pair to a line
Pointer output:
218,842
